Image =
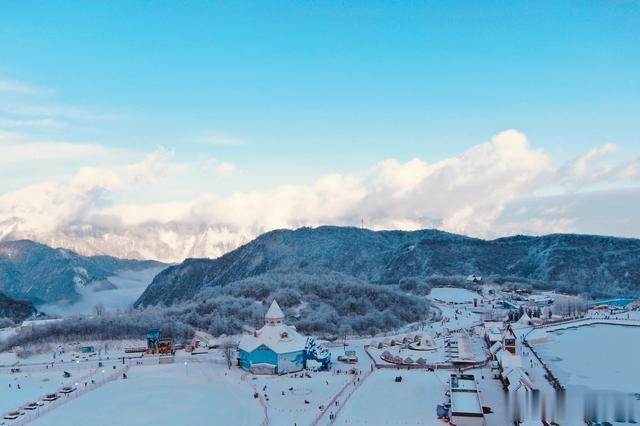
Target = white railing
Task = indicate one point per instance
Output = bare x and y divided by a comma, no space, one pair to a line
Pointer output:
29,417
342,396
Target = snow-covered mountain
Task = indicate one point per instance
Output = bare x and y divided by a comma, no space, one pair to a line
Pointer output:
38,273
165,242
580,263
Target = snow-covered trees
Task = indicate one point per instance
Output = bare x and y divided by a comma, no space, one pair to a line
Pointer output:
132,324
5,322
317,301
98,309
569,306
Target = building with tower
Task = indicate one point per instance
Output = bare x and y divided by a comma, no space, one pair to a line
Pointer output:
276,348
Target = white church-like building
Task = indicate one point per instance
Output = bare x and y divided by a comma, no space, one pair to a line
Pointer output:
276,348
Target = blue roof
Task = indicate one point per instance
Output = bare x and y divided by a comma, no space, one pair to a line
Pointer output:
612,302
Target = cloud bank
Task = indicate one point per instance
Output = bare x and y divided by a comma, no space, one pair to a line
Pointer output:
496,188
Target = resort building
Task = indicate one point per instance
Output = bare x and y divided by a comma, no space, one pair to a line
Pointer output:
276,348
493,331
509,340
466,408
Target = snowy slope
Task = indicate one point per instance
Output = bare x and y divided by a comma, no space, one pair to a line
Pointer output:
601,265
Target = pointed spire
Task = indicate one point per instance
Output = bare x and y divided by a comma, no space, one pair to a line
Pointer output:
274,314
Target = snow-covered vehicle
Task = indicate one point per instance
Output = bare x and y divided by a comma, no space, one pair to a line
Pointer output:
32,406
349,359
50,397
67,390
12,415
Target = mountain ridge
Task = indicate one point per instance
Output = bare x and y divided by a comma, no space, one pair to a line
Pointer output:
39,273
565,261
15,310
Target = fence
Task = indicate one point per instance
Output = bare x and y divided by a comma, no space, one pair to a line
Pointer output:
426,366
50,406
350,387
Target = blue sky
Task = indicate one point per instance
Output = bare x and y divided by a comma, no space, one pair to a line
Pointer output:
292,91
309,80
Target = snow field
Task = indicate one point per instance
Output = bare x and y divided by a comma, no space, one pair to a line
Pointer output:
171,394
453,295
382,401
32,387
291,408
598,357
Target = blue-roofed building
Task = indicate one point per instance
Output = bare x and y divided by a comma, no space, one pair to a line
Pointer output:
274,349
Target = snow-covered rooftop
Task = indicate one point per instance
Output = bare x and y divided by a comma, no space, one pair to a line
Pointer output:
518,379
275,335
508,360
465,403
280,338
464,395
495,348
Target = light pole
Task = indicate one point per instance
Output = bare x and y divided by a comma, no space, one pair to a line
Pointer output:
102,376
186,368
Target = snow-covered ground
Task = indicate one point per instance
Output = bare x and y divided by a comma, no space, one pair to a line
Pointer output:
5,333
129,286
593,361
32,386
382,401
287,395
173,394
455,317
205,391
599,357
454,295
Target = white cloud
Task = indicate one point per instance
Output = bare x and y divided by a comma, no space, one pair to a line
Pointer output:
225,168
153,168
474,193
13,86
220,168
596,166
51,206
46,110
9,137
34,123
35,152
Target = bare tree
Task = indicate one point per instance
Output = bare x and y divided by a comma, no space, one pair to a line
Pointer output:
98,309
228,347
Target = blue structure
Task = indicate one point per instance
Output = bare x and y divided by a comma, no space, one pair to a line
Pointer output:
317,353
612,302
278,348
509,305
153,337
